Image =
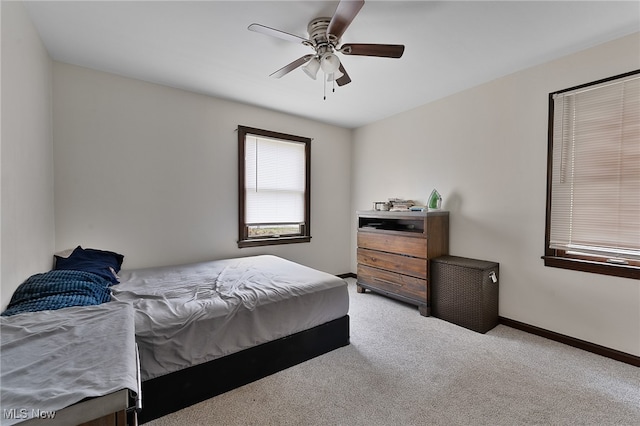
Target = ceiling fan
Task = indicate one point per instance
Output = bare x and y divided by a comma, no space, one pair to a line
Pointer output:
325,38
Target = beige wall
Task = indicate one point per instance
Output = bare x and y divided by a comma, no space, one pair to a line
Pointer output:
485,150
151,172
26,151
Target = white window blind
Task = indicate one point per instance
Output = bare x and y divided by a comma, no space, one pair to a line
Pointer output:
595,186
274,181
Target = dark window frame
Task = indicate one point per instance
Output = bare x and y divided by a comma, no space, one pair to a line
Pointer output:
561,258
244,240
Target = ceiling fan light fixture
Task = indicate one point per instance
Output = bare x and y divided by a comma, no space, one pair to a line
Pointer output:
334,76
312,67
329,63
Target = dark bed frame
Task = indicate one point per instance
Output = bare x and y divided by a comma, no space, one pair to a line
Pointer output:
174,391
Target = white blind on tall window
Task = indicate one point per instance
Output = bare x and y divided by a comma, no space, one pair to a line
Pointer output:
274,180
595,204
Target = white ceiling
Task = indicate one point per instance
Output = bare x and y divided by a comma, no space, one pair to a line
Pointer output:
205,47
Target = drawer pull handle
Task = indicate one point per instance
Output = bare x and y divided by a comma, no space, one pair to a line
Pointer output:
380,280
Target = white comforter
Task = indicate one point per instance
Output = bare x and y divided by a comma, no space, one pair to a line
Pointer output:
190,314
52,359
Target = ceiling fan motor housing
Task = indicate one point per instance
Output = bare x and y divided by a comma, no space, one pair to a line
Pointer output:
318,36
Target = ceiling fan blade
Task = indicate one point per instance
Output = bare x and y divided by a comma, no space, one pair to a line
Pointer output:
343,16
379,50
259,28
292,66
345,79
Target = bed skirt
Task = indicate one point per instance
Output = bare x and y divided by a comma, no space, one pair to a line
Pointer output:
175,391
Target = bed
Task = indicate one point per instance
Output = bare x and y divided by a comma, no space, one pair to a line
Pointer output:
68,366
208,327
200,329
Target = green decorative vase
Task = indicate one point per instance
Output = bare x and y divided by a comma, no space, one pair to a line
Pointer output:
435,200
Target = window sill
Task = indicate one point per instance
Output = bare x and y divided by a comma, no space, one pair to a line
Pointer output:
259,242
624,271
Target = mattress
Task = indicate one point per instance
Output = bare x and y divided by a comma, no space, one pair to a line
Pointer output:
190,314
55,358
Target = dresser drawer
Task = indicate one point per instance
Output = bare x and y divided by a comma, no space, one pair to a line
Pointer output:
403,285
413,266
410,246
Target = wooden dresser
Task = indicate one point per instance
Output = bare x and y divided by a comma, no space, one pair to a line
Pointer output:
394,249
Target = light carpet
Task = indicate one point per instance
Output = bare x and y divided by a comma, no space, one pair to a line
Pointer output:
405,369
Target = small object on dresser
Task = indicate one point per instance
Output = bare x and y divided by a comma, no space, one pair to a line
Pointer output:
400,205
435,200
381,206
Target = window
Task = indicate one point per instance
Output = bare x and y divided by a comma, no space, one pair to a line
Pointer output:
274,181
593,178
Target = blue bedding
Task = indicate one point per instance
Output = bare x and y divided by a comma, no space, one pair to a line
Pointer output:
58,289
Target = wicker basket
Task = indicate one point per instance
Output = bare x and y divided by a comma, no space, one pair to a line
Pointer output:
465,292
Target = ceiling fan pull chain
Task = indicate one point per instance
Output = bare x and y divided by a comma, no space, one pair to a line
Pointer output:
324,82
